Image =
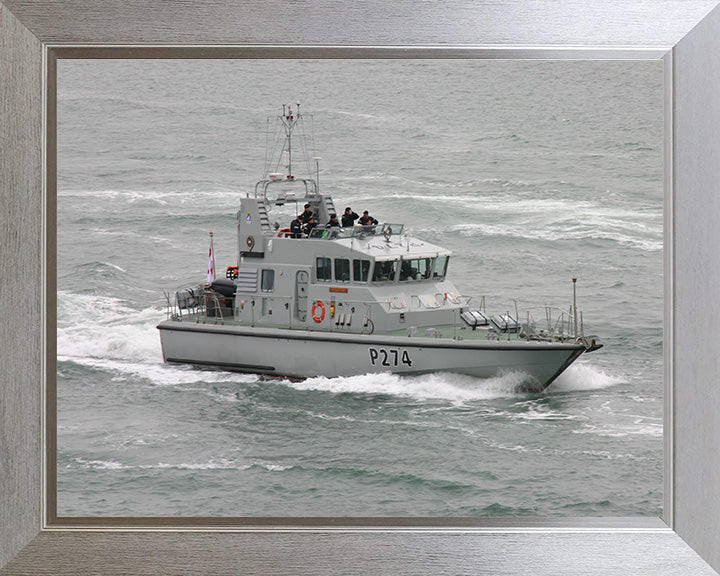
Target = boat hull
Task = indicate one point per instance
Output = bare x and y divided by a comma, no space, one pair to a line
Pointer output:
306,354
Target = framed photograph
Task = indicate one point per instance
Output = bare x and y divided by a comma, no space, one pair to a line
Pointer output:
530,172
93,289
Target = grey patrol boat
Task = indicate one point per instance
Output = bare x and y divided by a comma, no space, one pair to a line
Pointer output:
343,301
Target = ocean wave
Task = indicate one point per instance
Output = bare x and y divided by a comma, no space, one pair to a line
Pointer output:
93,328
581,377
274,467
431,185
608,455
222,195
98,464
531,217
535,414
86,103
112,464
100,269
437,386
213,464
555,233
156,373
99,232
353,114
619,430
180,156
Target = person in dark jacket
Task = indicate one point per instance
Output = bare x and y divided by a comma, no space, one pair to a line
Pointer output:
306,214
349,217
366,219
333,221
296,228
309,225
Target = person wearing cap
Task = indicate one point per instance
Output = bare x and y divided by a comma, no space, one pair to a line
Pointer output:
349,217
333,221
296,228
366,219
306,215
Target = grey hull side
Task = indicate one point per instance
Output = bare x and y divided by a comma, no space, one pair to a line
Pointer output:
305,354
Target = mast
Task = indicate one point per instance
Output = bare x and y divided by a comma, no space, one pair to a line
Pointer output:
575,312
289,120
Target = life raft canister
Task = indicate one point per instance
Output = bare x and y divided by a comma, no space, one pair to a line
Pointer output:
315,317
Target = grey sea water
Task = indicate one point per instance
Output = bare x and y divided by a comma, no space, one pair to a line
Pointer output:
531,172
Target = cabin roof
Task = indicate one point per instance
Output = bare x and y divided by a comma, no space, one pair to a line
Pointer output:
379,249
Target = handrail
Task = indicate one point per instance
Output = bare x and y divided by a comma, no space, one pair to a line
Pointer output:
562,326
559,323
261,189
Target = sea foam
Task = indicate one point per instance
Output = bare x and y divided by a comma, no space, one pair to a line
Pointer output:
437,386
580,377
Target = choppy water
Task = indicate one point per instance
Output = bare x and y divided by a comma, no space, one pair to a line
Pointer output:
531,172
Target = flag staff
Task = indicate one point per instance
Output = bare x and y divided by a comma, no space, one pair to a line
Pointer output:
211,262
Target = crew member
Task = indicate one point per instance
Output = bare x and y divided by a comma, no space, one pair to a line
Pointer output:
349,217
367,220
309,225
296,228
306,214
333,221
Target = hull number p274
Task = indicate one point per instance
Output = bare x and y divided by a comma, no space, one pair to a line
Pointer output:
391,357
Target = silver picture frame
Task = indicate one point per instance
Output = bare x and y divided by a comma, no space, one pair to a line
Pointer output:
685,34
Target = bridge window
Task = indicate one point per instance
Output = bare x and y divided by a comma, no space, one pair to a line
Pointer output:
415,269
323,269
342,270
441,265
361,270
384,271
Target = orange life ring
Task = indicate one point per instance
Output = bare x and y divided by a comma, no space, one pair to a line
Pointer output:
322,315
285,232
